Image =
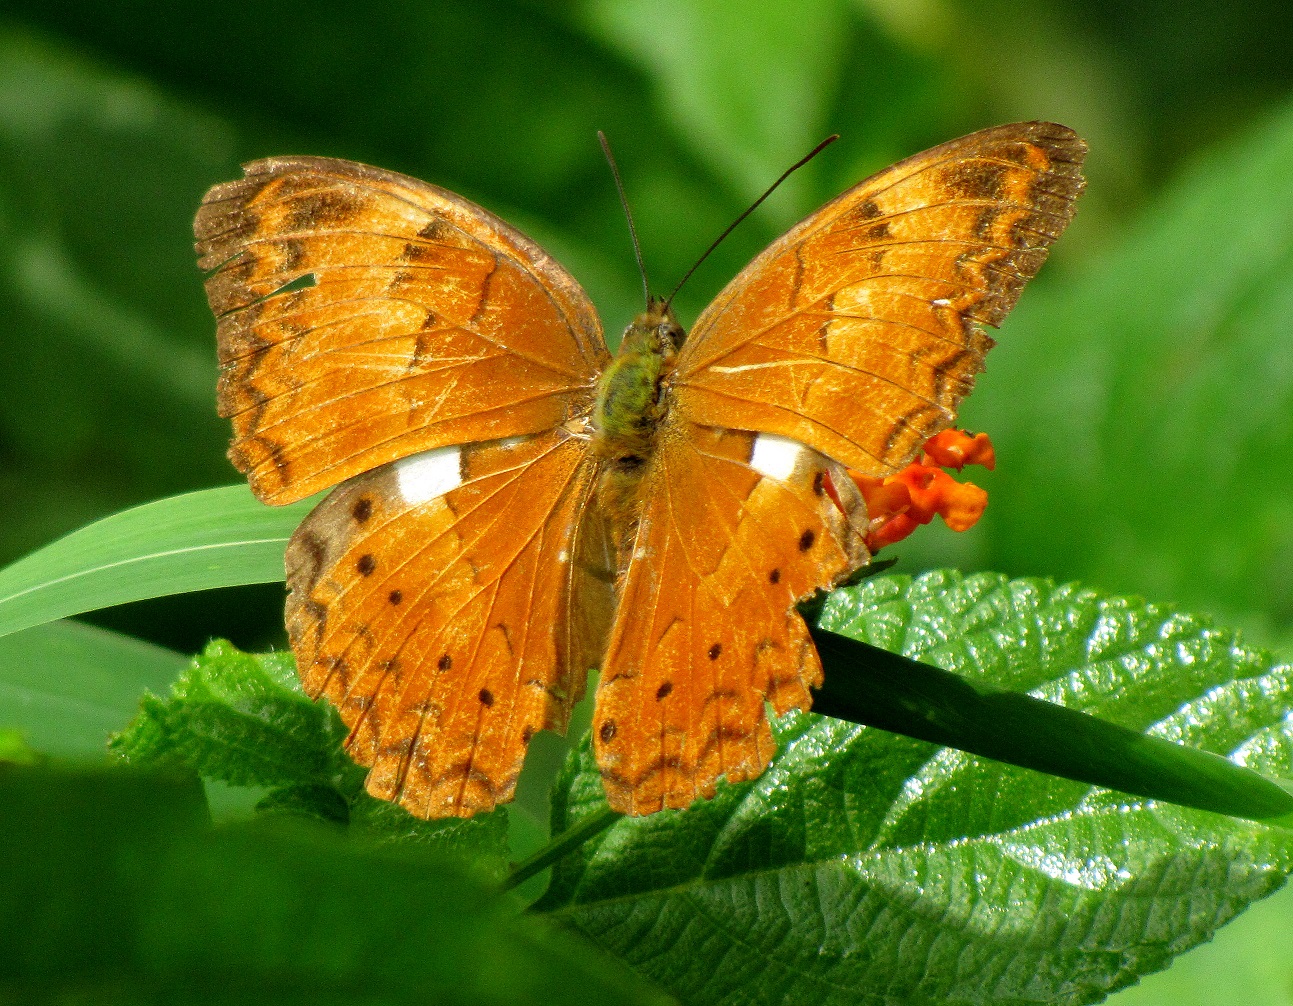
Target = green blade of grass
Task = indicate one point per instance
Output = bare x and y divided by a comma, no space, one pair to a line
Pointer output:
197,541
868,685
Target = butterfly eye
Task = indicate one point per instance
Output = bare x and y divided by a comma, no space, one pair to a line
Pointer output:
670,333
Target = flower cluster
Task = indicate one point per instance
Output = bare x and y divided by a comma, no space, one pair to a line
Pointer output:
897,504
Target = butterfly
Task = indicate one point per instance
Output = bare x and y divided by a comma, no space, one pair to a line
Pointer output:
513,507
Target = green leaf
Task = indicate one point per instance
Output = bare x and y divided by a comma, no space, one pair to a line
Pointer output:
66,686
866,867
1152,449
13,748
214,538
109,372
1248,962
481,841
878,688
114,890
242,718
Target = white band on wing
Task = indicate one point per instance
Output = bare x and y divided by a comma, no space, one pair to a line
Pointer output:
775,456
430,474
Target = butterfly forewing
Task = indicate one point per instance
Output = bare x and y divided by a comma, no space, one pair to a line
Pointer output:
449,628
364,316
856,331
707,629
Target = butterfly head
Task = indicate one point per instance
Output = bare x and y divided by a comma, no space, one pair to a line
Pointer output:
655,330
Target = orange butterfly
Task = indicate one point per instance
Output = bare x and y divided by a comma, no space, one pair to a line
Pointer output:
514,507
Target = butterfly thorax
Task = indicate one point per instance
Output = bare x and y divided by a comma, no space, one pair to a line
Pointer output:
631,398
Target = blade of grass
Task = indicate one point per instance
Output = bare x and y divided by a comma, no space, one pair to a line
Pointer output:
197,541
871,686
561,845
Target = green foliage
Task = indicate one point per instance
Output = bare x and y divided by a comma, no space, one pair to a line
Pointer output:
1185,492
14,749
108,372
1246,962
114,889
197,541
241,718
876,687
64,687
865,867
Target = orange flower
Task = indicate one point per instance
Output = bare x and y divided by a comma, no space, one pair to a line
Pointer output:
956,449
898,504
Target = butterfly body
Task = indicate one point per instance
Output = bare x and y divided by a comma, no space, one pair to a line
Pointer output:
514,507
631,393
632,400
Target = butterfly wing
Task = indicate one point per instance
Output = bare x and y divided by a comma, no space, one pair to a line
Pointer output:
856,332
735,529
849,341
449,626
364,316
451,594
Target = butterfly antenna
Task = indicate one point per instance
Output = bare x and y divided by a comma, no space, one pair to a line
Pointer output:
753,206
628,215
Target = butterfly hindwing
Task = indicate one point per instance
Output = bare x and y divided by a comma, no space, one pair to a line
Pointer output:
734,530
450,605
364,316
857,331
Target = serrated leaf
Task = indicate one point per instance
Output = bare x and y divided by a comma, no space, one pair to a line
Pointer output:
314,801
65,686
481,841
875,687
865,867
242,718
114,890
196,541
1247,962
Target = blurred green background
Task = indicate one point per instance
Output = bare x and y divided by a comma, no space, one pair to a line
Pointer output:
114,119
1141,397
